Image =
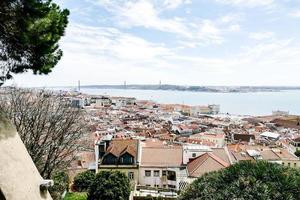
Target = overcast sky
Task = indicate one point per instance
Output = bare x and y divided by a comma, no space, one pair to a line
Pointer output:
185,42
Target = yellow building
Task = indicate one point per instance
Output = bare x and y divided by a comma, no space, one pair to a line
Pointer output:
295,163
119,154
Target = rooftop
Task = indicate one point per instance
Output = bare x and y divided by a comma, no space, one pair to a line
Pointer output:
162,156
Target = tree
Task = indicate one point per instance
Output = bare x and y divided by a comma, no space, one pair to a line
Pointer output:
112,185
76,196
83,180
247,180
48,126
29,35
61,184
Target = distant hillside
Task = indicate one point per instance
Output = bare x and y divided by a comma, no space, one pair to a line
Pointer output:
196,88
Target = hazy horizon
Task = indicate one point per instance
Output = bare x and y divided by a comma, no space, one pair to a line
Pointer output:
149,84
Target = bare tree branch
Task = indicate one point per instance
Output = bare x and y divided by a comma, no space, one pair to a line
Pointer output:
49,127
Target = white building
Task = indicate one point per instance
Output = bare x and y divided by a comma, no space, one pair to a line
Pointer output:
217,139
182,129
270,135
119,102
191,151
211,109
280,113
215,109
162,167
103,101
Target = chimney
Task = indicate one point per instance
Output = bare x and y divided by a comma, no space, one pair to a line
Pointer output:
139,152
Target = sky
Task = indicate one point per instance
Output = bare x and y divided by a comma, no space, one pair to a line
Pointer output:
183,42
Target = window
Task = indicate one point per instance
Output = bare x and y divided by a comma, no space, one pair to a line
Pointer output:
109,160
295,164
289,164
147,173
194,155
171,176
126,159
131,175
164,173
164,186
156,186
156,173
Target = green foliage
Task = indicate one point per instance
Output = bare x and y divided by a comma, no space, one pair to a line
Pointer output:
151,198
112,185
61,183
29,35
83,180
76,196
247,180
297,153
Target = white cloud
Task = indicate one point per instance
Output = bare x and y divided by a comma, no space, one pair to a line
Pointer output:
265,63
112,51
208,30
172,4
247,3
231,18
234,28
144,14
108,56
261,35
147,14
295,13
111,42
227,18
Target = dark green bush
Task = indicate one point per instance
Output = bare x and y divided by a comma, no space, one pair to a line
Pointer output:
109,185
76,196
83,180
61,184
247,180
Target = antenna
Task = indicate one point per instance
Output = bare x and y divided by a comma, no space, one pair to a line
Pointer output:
124,84
78,85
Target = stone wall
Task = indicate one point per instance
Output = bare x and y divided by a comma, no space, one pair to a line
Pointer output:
19,178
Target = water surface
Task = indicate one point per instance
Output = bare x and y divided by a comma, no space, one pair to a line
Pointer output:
252,103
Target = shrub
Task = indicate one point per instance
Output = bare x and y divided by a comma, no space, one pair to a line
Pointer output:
76,196
61,183
83,180
247,180
110,185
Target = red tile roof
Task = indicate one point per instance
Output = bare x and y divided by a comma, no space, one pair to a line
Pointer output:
162,156
121,146
197,166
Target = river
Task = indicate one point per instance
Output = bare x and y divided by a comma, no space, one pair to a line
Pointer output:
252,103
